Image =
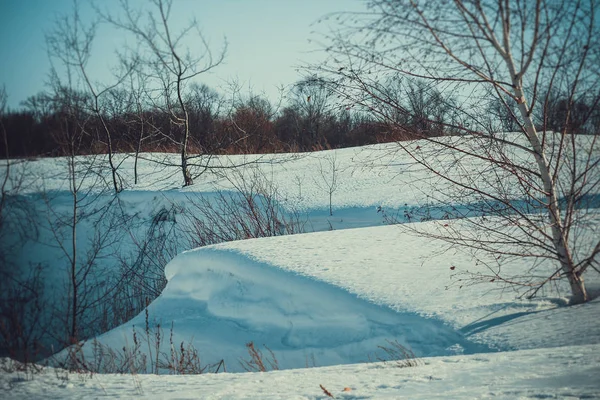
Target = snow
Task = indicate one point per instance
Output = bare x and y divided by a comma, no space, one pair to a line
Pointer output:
335,296
220,299
566,373
329,298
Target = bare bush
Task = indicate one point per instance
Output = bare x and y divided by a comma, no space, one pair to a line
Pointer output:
397,354
144,354
141,276
23,317
25,370
259,362
251,210
22,314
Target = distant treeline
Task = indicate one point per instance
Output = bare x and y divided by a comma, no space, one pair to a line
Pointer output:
248,130
47,124
252,126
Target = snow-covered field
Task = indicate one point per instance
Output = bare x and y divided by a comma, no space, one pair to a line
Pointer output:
325,301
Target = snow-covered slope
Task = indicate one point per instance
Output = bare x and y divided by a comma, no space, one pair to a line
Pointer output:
332,297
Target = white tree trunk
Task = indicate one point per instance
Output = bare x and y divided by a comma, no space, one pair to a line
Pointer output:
559,240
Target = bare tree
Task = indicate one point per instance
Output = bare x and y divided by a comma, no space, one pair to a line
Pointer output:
248,125
139,119
169,62
85,203
23,320
71,43
537,183
329,176
311,97
70,137
5,178
205,107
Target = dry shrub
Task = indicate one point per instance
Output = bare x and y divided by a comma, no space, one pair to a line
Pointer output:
398,354
259,362
181,359
25,371
251,210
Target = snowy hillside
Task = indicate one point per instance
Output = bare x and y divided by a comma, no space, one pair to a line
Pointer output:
333,294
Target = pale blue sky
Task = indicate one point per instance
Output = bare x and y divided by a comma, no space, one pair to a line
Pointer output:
267,39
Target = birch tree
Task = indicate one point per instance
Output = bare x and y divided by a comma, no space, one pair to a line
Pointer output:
536,183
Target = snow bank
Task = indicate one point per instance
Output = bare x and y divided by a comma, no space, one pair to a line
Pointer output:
335,296
220,299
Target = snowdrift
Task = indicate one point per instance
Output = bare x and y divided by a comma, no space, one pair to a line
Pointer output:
334,297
